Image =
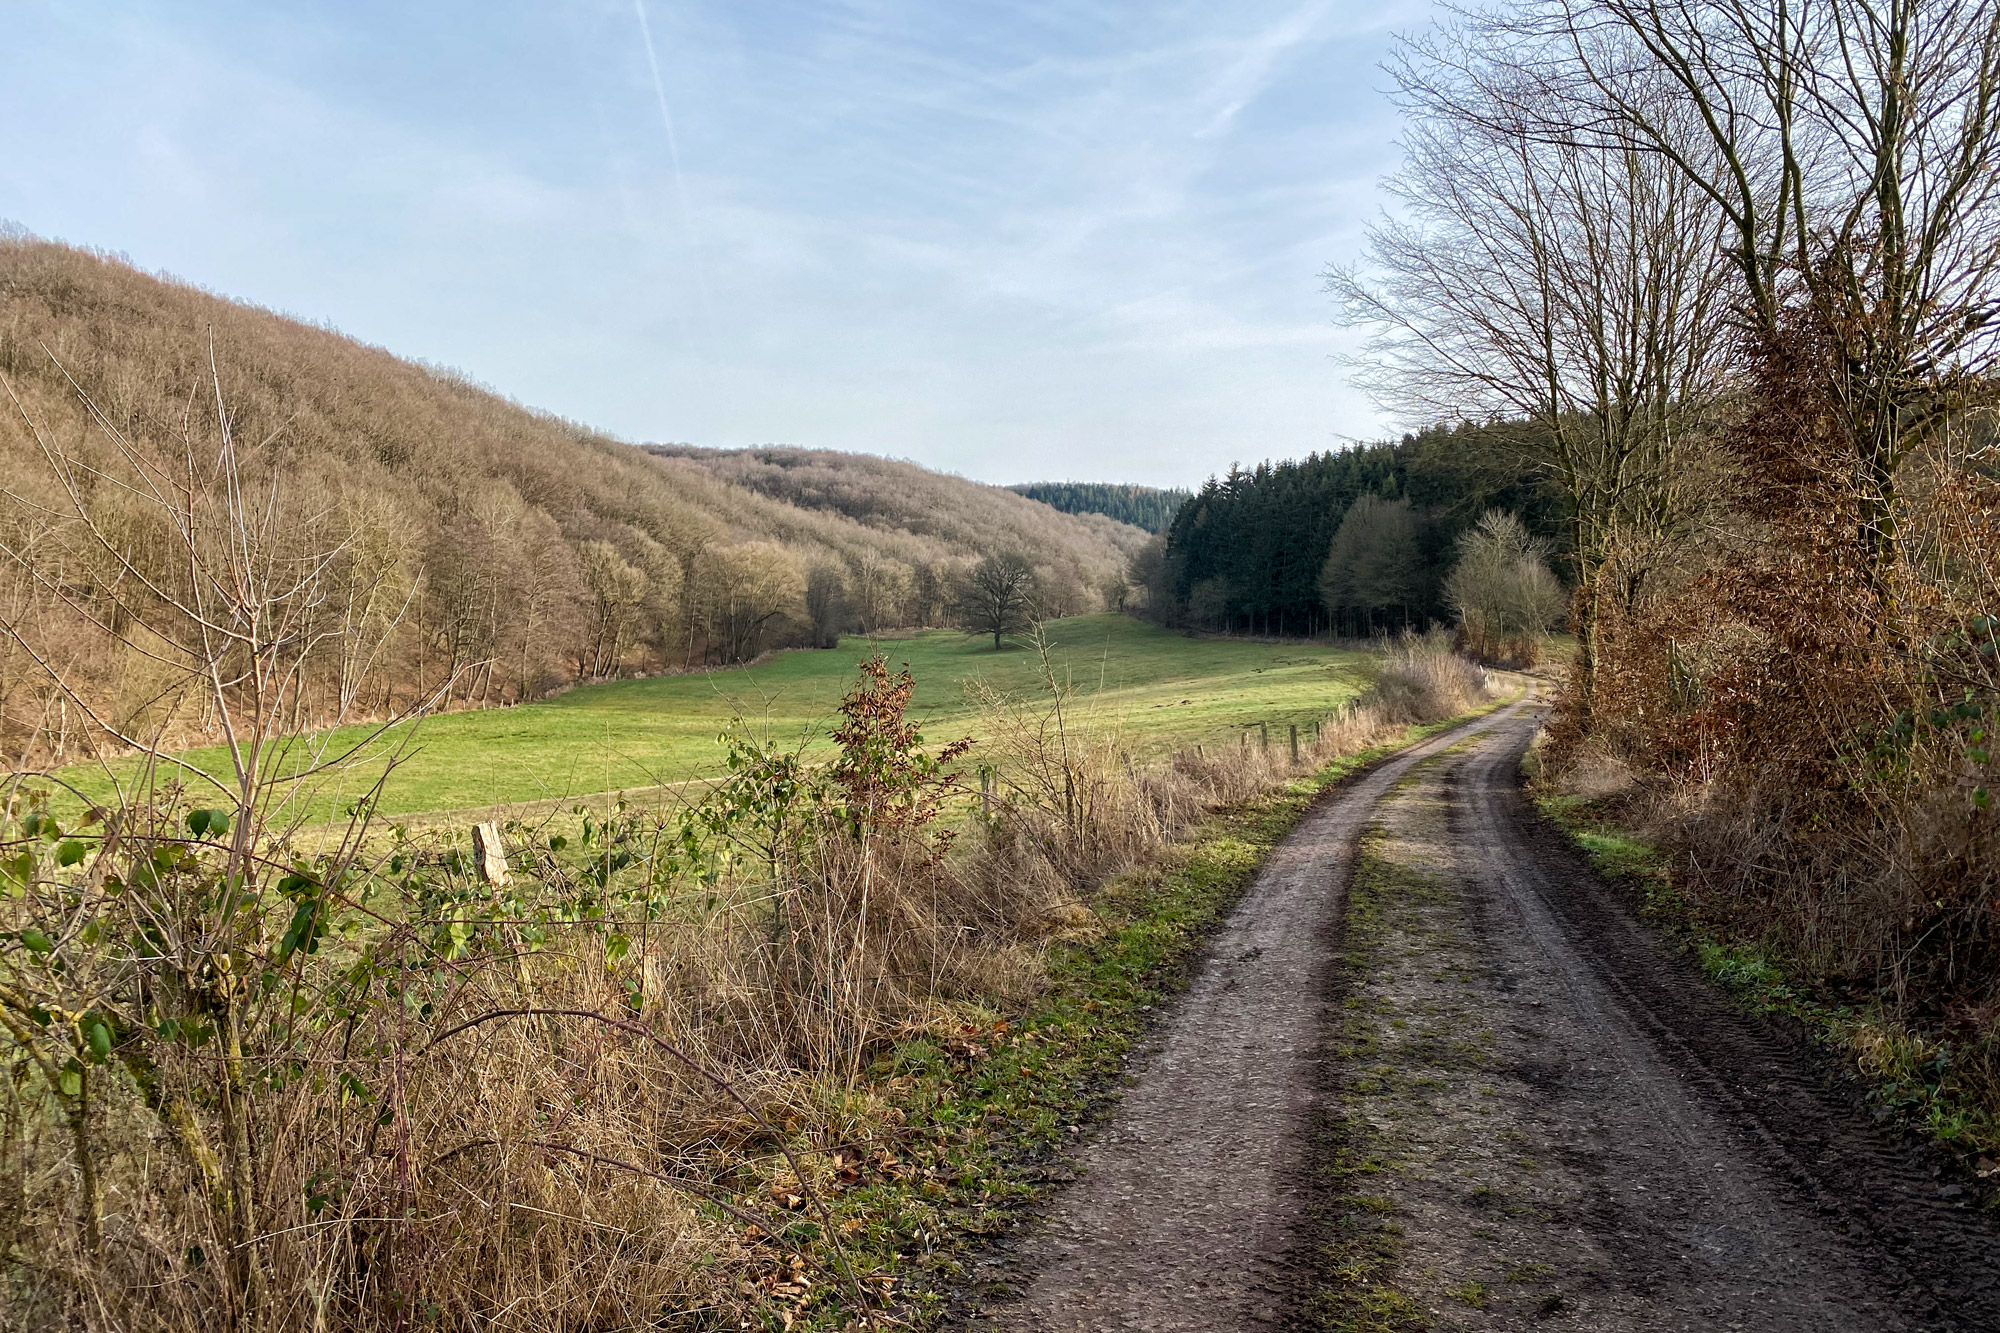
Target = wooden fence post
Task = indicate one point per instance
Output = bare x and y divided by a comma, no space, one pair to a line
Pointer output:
1295,742
489,855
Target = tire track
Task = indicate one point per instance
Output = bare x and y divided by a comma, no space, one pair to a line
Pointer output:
1806,1141
1704,1172
1194,1192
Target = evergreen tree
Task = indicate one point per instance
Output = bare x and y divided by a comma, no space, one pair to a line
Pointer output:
1141,506
1266,533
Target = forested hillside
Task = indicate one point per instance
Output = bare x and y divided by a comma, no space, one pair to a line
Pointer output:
912,517
452,546
1248,552
1145,507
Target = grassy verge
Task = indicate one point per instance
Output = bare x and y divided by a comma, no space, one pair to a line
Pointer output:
1934,1086
969,1124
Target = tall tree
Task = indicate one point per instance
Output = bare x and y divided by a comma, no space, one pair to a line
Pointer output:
1578,287
746,595
1257,540
999,596
1373,562
617,592
1852,151
1502,590
826,604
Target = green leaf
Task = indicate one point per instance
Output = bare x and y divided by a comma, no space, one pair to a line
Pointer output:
70,1082
304,931
100,1040
69,853
36,941
17,872
208,823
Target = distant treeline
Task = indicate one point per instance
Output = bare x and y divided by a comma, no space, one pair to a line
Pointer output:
1249,552
1145,507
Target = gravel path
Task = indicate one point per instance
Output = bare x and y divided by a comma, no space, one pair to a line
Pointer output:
1575,1130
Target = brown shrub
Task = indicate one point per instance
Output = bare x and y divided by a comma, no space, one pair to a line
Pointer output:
1813,701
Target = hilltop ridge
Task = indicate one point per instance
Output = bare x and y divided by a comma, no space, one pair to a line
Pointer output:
1149,507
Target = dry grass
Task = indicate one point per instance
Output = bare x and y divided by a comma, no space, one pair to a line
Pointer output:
1806,723
584,1099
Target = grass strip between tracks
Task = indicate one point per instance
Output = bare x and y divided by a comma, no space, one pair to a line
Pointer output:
1920,1080
979,1120
1357,1233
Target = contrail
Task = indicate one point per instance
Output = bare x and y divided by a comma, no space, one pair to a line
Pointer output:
673,151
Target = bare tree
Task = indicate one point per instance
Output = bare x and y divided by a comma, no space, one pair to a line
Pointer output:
198,561
880,589
826,604
999,597
1502,590
617,594
1578,286
745,594
1372,563
1212,603
1852,149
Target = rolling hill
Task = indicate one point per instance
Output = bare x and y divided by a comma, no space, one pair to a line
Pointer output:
484,552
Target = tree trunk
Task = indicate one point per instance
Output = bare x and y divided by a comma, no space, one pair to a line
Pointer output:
248,1253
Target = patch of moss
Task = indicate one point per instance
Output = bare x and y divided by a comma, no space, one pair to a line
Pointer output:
1358,1242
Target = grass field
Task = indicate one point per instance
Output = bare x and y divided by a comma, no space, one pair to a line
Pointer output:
1159,689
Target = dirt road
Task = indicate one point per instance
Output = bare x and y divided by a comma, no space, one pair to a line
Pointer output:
1434,1075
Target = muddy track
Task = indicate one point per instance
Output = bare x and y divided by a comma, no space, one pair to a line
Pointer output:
1193,1193
1576,1123
1818,1164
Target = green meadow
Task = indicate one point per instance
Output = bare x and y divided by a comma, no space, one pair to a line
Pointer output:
1157,689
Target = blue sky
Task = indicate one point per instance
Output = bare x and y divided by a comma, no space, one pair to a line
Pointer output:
1026,241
